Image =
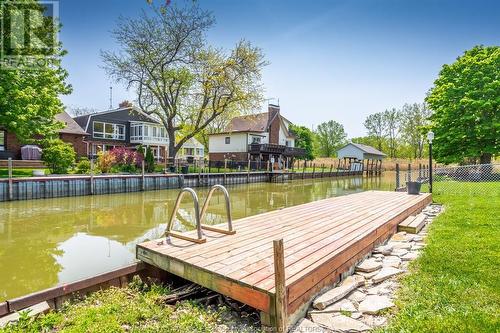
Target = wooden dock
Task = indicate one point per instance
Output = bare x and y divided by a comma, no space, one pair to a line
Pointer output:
321,240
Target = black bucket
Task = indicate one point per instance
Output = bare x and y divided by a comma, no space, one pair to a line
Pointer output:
413,187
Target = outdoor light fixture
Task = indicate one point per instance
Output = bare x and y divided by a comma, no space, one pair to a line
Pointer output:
430,137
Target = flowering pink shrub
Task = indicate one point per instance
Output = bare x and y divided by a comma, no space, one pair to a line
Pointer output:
127,159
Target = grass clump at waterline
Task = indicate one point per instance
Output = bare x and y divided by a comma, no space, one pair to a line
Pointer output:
454,286
136,308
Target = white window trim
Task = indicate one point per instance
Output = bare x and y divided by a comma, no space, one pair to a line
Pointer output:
4,135
114,136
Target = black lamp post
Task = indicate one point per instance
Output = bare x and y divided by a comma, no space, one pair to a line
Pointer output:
430,137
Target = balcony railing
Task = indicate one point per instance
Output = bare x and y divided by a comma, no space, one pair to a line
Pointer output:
148,139
268,148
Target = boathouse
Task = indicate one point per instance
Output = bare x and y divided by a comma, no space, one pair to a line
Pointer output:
361,157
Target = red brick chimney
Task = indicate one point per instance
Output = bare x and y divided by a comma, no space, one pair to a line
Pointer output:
125,104
273,123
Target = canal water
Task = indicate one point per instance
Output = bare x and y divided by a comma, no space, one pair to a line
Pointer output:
47,242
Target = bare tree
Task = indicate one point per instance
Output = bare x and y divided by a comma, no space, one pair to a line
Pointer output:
376,127
186,83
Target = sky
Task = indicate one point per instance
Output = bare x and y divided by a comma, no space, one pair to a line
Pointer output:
328,59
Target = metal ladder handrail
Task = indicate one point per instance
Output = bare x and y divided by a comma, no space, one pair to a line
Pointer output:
230,230
169,231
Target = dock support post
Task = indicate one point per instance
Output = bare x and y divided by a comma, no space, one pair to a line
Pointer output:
143,185
397,176
248,172
331,170
280,287
91,177
11,186
314,169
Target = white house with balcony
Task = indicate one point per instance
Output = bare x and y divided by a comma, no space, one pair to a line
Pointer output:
259,137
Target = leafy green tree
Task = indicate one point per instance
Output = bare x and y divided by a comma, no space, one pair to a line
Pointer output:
58,156
305,140
465,102
178,76
375,124
330,136
149,160
414,118
392,122
29,97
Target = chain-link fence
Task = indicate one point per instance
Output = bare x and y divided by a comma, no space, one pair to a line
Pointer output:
464,179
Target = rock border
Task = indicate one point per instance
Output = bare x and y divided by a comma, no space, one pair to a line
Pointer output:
360,302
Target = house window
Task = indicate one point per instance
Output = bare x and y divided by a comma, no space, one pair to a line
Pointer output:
2,140
189,151
109,131
256,139
199,151
228,140
287,143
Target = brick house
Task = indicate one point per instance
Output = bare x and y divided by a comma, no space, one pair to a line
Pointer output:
258,137
10,146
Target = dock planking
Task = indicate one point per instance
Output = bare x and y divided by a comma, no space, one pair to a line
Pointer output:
321,240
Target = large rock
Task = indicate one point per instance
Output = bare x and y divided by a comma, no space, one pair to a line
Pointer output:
399,252
392,261
386,273
368,265
335,294
410,256
374,304
356,296
367,275
383,249
307,326
401,245
399,237
339,323
342,305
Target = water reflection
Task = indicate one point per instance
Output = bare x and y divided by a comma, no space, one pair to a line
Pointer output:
52,241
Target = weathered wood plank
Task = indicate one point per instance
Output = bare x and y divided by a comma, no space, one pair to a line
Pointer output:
414,226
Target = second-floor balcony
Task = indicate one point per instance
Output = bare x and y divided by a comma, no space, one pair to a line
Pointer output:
142,133
268,148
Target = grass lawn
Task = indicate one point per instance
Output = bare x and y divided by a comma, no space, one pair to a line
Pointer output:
138,308
455,284
4,173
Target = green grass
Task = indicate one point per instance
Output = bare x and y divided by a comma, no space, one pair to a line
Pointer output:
137,308
4,173
454,286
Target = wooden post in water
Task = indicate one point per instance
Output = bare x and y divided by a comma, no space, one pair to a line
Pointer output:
331,170
225,175
322,170
279,285
143,185
11,185
397,176
248,171
92,177
303,169
314,169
